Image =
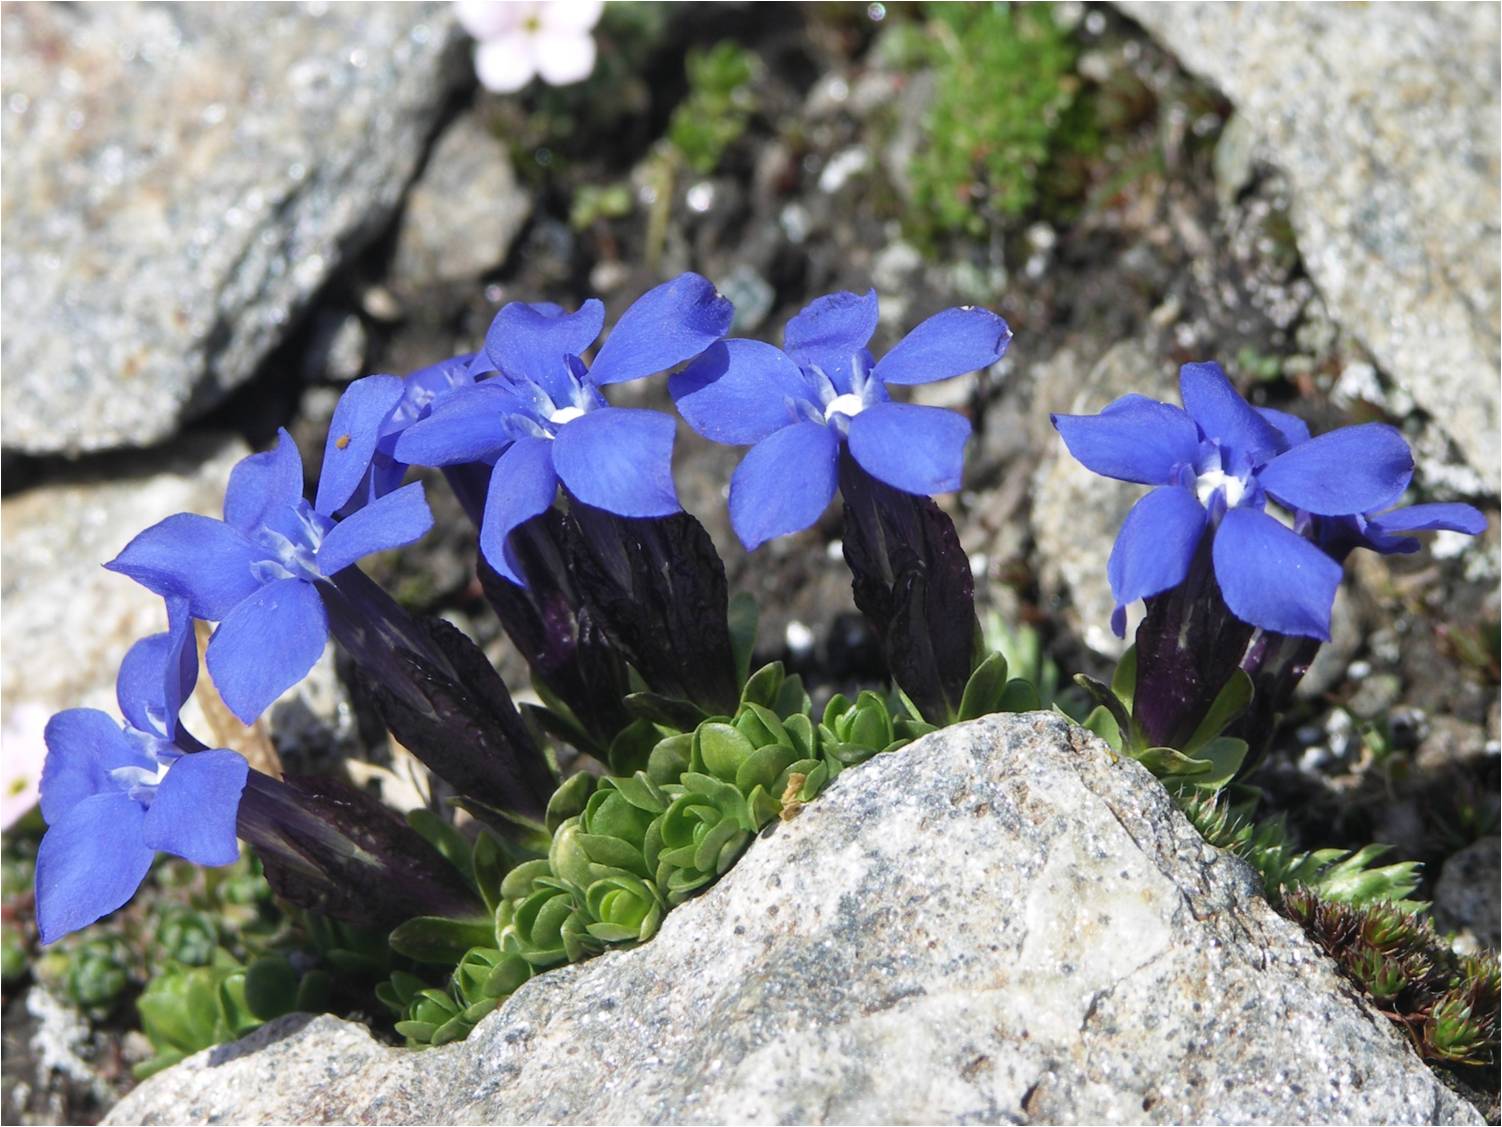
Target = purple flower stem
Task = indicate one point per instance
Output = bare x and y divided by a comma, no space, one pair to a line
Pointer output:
1188,646
335,850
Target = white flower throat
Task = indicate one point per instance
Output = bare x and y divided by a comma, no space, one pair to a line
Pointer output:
848,404
1208,482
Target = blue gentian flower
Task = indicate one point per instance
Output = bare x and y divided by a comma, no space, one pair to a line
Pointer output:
795,406
1392,532
1217,462
359,457
543,418
115,795
259,571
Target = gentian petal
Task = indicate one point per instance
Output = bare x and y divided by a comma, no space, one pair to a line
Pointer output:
1156,544
784,483
522,484
90,862
387,522
467,424
1293,429
1272,577
830,331
1439,517
158,673
353,433
266,645
196,558
916,449
619,459
193,812
141,683
667,325
950,343
269,480
1351,470
83,746
740,391
1134,439
1224,416
533,342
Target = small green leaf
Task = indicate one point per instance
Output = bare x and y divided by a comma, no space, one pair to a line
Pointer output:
442,836
670,758
314,992
488,868
1019,696
632,747
983,690
235,1010
1124,679
1229,703
419,1032
270,987
1103,724
742,618
721,749
763,685
667,711
792,699
1104,696
433,939
569,800
641,792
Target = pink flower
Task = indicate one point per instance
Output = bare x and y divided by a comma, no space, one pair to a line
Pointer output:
25,752
523,39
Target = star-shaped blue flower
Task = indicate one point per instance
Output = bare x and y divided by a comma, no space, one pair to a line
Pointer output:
115,795
543,418
1217,462
259,571
795,406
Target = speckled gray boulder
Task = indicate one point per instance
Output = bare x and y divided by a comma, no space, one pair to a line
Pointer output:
179,179
1000,923
1386,119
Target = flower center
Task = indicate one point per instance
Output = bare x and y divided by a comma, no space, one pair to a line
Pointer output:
565,415
1208,482
140,783
848,404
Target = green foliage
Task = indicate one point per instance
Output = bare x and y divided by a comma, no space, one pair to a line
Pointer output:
1206,763
683,806
1004,90
1447,1005
718,106
1335,875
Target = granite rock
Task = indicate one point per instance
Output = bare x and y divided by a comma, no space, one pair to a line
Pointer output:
179,180
1386,121
1000,923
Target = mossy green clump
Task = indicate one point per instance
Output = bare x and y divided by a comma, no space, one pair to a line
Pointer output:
1447,1005
627,848
1006,104
721,99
